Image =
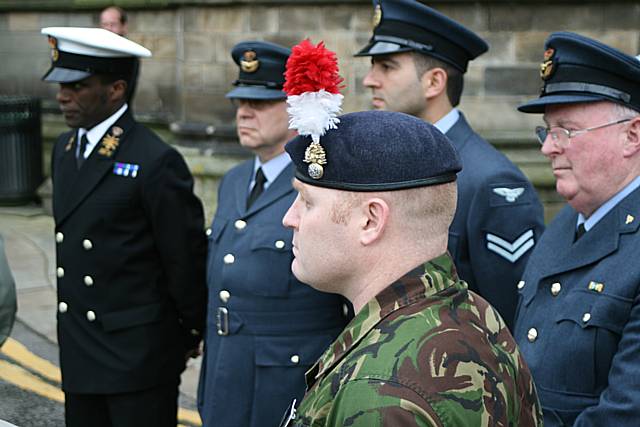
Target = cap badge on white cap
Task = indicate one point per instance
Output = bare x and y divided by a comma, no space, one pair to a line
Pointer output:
53,43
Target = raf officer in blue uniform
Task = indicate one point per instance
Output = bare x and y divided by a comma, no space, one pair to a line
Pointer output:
578,321
418,60
265,327
130,242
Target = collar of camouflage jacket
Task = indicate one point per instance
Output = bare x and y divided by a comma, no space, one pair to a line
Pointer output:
420,283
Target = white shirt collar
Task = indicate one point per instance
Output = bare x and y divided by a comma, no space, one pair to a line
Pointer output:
271,169
96,132
599,213
447,122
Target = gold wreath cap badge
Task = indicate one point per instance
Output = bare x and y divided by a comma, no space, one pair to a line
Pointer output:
546,67
377,16
249,62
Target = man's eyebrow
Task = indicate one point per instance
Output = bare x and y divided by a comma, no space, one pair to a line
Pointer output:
385,59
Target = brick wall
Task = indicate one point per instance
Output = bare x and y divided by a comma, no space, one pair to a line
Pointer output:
191,69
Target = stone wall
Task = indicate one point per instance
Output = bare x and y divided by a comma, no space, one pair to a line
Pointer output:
191,69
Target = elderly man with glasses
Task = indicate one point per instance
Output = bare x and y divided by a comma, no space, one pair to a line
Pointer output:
578,319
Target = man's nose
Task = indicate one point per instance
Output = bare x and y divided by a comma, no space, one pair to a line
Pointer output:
369,80
63,95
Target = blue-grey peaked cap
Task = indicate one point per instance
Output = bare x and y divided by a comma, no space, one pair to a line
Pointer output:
379,151
576,69
408,25
261,70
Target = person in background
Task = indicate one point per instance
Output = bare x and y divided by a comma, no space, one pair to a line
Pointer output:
422,349
578,320
130,242
114,19
418,61
265,328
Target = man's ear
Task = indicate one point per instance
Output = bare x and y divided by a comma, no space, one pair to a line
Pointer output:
434,82
632,143
375,217
118,90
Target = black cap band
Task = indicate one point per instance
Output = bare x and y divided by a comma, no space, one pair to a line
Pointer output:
588,88
95,64
378,186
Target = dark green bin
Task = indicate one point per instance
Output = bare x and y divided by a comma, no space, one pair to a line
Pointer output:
20,149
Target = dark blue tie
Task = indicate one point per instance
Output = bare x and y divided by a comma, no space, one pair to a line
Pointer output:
258,187
83,146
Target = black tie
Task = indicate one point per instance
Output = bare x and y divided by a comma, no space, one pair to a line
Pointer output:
580,231
83,145
258,187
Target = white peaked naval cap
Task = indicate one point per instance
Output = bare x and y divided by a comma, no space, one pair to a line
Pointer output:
77,53
95,42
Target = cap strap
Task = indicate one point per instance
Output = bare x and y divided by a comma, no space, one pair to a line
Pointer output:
587,87
246,82
404,42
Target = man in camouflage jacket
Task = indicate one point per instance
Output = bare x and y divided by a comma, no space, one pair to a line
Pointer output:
422,349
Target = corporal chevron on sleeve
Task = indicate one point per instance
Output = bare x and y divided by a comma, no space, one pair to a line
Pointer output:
511,251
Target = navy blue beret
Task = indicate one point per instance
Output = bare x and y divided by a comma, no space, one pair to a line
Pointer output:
578,69
378,151
262,66
408,25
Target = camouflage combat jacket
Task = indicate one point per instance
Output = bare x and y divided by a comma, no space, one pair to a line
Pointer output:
426,351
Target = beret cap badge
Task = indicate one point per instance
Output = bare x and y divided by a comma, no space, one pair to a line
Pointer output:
546,67
249,63
316,157
312,84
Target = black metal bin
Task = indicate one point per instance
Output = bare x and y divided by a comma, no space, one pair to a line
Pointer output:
20,149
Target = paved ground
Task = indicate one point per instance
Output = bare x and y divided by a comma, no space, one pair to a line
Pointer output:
30,247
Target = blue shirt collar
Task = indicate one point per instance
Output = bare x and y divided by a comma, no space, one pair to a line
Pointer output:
599,213
271,169
447,122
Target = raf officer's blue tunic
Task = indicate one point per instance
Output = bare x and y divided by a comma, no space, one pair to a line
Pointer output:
578,322
275,327
498,220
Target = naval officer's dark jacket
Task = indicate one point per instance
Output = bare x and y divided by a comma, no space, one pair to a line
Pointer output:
578,322
265,328
130,261
498,220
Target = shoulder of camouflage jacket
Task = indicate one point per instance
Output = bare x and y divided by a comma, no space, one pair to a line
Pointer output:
447,357
425,280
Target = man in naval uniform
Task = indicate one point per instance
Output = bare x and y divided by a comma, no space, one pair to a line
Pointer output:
578,320
265,328
130,242
418,59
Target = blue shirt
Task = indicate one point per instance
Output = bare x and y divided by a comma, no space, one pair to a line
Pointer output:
447,122
609,204
271,169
